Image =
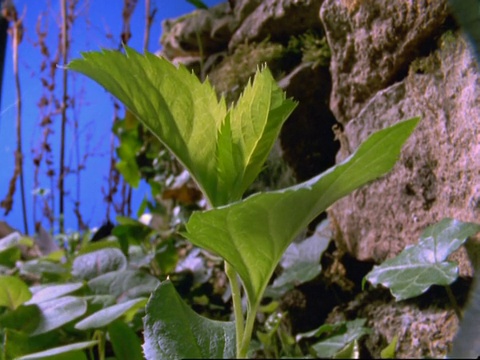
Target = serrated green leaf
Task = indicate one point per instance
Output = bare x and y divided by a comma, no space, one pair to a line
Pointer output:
24,318
420,266
105,316
58,312
13,292
53,353
224,152
99,262
124,285
253,234
125,342
174,331
329,347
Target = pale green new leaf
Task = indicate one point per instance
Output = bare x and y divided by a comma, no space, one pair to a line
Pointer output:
174,331
253,234
13,292
224,153
420,266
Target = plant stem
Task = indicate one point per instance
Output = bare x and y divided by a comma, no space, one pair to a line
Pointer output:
453,301
247,334
237,305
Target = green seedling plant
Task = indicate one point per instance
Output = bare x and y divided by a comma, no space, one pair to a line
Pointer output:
224,149
420,266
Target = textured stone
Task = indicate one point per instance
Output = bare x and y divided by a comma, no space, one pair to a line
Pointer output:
211,29
422,331
372,43
278,19
438,173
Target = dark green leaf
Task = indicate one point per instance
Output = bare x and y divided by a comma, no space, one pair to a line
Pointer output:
25,318
418,267
198,4
174,331
125,342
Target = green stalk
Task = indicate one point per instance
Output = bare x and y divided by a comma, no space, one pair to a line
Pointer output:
247,334
237,305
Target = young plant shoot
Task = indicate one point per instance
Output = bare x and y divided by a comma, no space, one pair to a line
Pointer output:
224,149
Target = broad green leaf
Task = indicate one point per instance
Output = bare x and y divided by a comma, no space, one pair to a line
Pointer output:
16,343
420,266
98,262
58,312
125,342
322,329
124,285
67,349
24,318
174,331
354,330
253,234
9,256
13,292
47,292
301,261
105,316
223,151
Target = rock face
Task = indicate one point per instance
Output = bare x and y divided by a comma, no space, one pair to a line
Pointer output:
373,43
438,174
390,60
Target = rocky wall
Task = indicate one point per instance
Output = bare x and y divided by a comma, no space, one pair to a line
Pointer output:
387,61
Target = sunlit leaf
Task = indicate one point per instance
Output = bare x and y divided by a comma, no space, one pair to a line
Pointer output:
105,316
13,292
223,150
253,234
98,262
420,266
174,331
57,312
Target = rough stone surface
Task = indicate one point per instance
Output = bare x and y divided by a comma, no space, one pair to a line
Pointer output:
372,43
423,331
210,28
438,173
278,19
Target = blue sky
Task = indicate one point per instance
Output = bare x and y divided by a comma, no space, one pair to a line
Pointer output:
95,113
